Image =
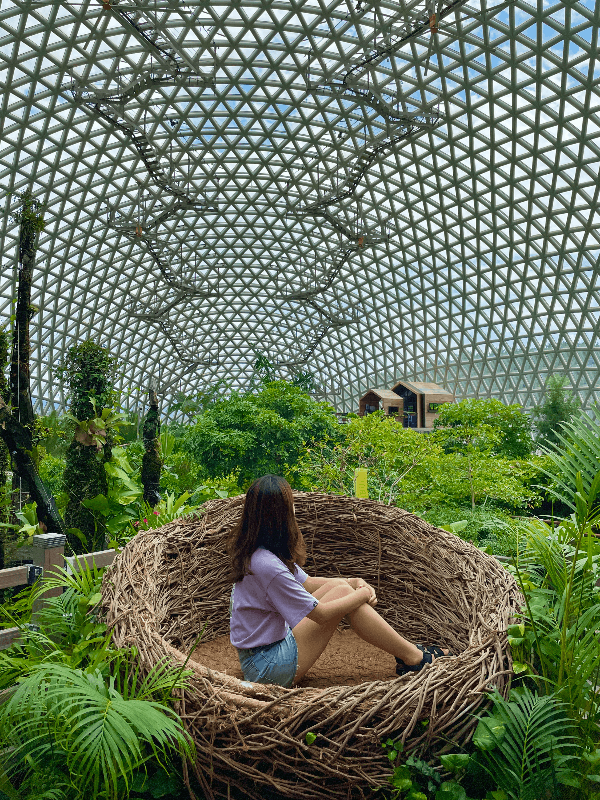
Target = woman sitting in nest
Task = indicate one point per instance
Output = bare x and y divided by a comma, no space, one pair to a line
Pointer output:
282,619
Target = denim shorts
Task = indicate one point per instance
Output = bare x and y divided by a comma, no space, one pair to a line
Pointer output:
271,663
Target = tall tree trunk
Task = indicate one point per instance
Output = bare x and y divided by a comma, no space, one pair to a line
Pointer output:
15,437
151,462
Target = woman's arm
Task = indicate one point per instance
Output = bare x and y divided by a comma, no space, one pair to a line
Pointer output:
312,584
330,609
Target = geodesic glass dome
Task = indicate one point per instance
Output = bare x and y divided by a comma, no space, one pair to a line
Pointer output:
365,190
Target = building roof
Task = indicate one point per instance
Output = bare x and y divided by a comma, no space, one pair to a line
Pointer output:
423,387
384,394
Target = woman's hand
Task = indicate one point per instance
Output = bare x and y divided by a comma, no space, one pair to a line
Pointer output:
358,583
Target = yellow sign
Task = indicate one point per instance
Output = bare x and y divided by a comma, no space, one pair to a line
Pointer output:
360,482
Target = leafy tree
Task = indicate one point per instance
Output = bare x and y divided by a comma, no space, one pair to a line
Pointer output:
558,406
479,476
396,459
413,470
52,432
191,406
305,380
264,369
488,424
252,434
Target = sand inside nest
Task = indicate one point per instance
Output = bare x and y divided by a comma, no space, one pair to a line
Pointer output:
347,661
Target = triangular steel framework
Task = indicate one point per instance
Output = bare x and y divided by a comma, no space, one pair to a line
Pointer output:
487,278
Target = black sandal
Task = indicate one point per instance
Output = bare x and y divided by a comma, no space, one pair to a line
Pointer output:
430,654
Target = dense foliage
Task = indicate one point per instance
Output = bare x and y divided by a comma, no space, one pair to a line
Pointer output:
252,434
88,372
475,474
488,424
453,473
78,721
151,461
558,406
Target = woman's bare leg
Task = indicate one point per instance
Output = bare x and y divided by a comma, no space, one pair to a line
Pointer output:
372,628
311,637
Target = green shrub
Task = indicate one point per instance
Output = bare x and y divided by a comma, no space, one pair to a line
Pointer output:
253,434
51,470
489,527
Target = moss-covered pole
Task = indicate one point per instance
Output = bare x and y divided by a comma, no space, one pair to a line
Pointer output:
151,462
4,454
31,221
17,420
89,371
4,395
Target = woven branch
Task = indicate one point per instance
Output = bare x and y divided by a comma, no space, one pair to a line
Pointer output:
167,584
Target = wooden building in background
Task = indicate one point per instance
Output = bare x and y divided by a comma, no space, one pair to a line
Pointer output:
414,403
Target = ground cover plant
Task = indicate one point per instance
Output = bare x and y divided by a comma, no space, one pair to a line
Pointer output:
77,720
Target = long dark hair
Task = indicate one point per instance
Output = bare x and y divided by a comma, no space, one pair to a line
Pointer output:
268,520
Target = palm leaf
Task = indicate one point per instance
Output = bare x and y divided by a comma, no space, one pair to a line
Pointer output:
533,735
578,452
103,736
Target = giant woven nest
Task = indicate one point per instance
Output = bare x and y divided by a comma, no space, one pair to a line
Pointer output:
432,587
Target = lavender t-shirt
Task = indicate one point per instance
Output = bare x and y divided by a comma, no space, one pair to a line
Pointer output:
266,604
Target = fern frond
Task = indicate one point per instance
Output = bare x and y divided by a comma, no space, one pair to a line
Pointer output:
534,736
103,736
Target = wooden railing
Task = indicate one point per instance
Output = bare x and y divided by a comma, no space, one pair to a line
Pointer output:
47,552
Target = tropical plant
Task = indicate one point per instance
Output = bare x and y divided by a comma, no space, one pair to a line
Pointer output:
116,508
253,434
412,470
504,429
30,525
51,470
79,719
191,406
489,527
395,458
88,370
152,459
88,729
528,744
67,628
169,509
52,432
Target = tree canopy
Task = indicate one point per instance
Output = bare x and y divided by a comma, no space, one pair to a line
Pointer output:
252,434
487,424
558,406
